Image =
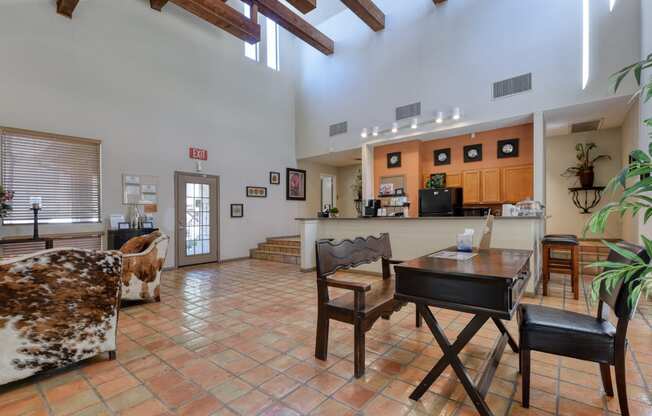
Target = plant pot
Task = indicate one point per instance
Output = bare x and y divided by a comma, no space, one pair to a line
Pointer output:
586,178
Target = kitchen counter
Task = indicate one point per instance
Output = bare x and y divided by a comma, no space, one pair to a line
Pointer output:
415,237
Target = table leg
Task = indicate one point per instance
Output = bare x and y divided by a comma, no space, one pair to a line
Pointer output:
454,360
503,330
462,339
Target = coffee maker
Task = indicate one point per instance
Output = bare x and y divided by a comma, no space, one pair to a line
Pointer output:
371,208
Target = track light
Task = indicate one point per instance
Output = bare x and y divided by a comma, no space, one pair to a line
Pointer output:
415,123
375,131
456,113
364,133
394,127
440,117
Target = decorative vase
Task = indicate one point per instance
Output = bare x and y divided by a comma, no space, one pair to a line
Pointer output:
586,177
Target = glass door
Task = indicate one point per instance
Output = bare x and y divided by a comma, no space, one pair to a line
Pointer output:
196,218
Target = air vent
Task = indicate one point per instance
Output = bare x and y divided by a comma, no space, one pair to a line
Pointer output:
513,86
408,111
339,128
585,126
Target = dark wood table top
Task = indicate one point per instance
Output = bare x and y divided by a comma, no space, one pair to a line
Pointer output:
493,263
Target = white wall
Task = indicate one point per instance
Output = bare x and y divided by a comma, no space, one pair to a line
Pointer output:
565,218
346,199
314,170
630,129
449,56
149,85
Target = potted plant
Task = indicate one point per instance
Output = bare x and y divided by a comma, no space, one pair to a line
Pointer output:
5,201
584,168
334,212
635,181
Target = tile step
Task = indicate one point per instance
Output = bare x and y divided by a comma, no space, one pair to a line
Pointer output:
276,257
276,248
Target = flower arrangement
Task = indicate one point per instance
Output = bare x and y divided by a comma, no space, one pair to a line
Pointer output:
5,201
584,167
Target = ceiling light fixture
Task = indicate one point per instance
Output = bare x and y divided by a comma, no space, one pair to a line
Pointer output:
394,127
375,131
612,4
415,123
457,114
440,117
364,133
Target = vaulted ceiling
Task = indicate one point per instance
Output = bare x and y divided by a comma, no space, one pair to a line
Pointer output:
227,18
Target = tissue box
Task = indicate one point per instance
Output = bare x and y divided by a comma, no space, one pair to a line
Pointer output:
465,242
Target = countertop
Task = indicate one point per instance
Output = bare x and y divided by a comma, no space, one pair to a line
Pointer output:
538,217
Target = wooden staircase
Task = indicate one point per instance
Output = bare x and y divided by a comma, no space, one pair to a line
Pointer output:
279,249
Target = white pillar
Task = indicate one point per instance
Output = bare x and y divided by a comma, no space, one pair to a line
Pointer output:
539,158
367,171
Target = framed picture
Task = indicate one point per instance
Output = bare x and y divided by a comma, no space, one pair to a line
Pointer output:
507,148
394,160
256,192
386,188
399,192
123,226
442,157
148,224
473,153
274,178
438,180
296,184
237,210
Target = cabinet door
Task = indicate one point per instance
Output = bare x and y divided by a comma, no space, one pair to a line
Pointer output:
454,180
471,183
491,185
518,183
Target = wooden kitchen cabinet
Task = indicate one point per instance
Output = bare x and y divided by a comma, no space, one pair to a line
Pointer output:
517,183
471,180
454,180
490,186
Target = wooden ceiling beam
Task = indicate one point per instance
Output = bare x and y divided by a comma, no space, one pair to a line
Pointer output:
158,4
439,1
368,12
304,6
66,7
294,24
220,15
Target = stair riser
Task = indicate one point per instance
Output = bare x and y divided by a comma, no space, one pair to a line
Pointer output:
288,243
278,258
280,249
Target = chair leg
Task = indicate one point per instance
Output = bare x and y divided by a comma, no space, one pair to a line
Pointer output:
525,375
358,349
545,270
575,271
621,383
112,355
321,341
418,319
605,372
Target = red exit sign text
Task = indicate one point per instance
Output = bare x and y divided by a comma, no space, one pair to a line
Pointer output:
199,154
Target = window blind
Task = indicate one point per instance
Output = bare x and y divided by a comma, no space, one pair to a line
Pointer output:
63,171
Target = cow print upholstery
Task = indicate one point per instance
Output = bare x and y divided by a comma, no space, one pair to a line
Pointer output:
57,307
141,272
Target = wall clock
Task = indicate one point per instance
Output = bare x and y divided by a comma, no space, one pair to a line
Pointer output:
442,157
473,153
394,160
507,148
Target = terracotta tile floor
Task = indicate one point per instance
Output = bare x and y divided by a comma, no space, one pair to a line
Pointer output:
238,339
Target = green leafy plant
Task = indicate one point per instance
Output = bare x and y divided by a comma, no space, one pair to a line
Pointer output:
584,160
5,201
334,210
357,185
635,181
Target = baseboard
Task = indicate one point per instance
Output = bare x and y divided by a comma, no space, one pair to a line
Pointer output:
311,269
234,259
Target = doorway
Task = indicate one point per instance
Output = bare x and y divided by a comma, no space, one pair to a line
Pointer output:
196,218
328,198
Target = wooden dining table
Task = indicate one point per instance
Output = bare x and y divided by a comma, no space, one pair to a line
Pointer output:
489,285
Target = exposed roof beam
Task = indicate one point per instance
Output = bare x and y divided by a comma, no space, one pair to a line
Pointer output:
439,1
157,4
304,6
368,12
66,7
221,15
294,24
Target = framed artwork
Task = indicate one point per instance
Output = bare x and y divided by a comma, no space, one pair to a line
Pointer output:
237,210
295,184
399,192
274,178
438,180
442,157
507,148
256,192
386,188
473,153
394,160
124,226
148,224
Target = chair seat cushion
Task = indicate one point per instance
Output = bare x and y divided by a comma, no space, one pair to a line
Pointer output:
566,239
381,295
566,333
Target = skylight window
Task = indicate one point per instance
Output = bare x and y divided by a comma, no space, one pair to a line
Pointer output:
585,43
251,51
272,45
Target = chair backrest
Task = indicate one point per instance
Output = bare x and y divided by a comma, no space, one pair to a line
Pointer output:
618,298
485,241
346,254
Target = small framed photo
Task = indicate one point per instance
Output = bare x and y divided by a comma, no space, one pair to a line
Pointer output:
274,178
237,210
148,224
256,192
442,157
399,192
507,148
473,153
387,189
123,226
394,160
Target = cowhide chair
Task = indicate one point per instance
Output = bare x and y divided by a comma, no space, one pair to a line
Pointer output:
57,307
143,259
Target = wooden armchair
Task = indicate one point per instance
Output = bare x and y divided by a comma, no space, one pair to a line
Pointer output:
365,302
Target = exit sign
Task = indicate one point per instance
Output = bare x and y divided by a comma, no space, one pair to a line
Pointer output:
199,154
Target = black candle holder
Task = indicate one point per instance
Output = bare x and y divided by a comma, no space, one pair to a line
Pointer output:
36,210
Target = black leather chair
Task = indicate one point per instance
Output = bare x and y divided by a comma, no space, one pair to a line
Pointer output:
581,336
